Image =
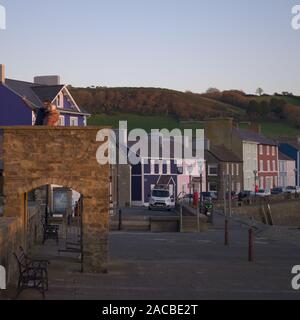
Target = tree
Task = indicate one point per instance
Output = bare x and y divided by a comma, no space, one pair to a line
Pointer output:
213,90
259,91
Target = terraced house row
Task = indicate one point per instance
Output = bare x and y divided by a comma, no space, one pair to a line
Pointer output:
263,166
250,159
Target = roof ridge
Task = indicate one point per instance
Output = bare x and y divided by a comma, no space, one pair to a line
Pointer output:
27,82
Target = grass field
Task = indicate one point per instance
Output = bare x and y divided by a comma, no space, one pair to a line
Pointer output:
144,122
274,130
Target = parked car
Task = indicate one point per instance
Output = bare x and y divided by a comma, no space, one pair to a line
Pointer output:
292,190
161,199
209,195
263,193
276,191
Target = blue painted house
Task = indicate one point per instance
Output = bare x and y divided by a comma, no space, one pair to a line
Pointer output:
20,100
292,150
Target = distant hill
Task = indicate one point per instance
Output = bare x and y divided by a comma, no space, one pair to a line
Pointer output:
182,106
152,101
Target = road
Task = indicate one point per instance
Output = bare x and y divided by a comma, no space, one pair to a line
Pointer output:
180,266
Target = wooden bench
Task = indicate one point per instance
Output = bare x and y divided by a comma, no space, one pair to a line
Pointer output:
33,274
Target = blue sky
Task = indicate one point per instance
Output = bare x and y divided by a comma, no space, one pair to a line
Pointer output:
178,44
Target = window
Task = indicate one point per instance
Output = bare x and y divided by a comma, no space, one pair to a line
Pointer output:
58,101
74,122
180,170
168,167
152,164
261,182
232,169
269,166
62,121
273,151
268,150
161,166
213,170
212,187
274,165
261,150
261,165
227,168
237,169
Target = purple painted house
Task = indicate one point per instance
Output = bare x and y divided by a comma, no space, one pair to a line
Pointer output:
20,100
150,173
171,172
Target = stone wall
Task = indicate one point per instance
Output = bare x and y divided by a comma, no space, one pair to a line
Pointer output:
39,156
286,213
11,237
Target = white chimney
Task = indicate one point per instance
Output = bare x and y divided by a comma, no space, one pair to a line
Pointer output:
47,80
2,73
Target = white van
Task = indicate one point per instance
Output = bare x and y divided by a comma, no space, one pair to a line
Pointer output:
161,199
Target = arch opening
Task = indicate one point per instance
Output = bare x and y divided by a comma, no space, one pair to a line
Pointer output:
53,225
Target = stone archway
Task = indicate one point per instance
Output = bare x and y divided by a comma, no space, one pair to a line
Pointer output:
38,156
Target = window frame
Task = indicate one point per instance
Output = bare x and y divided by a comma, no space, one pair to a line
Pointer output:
62,121
74,118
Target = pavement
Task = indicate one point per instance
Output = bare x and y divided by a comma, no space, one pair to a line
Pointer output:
179,266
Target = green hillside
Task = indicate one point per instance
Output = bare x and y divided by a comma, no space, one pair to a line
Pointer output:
274,130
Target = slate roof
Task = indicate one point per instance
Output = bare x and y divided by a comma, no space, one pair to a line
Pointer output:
35,94
223,154
293,144
24,89
47,92
282,156
248,135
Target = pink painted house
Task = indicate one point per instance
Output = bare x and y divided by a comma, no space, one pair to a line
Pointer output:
191,173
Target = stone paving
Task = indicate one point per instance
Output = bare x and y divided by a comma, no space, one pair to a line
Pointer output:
179,266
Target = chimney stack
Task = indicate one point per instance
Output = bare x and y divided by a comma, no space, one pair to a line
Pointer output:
255,127
2,73
47,80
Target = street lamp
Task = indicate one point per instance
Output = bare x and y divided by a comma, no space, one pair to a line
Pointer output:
255,172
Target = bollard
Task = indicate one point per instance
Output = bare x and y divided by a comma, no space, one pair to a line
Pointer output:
226,233
120,220
251,246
